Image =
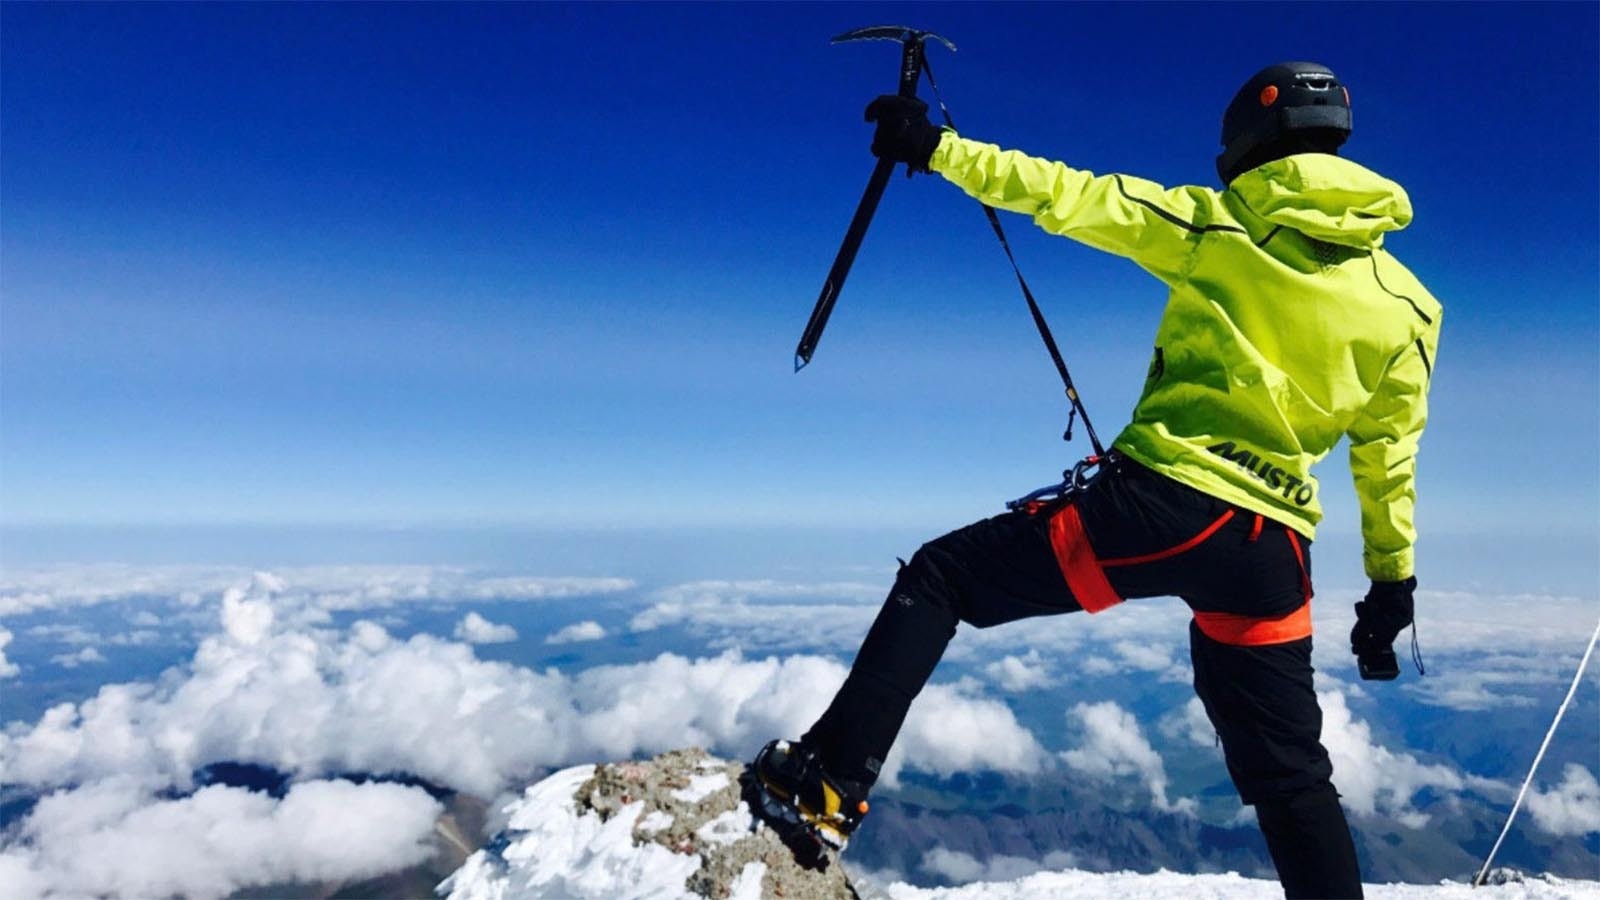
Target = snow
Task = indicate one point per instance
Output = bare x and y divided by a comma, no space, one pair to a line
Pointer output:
554,851
559,853
726,828
701,787
748,885
1074,885
654,822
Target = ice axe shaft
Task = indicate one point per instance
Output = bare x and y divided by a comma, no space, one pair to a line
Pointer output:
842,262
911,50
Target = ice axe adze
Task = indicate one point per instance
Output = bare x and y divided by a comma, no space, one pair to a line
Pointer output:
911,48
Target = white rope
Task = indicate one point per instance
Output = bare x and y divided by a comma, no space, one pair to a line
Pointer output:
1539,757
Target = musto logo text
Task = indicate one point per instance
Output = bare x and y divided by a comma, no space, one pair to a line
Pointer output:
1275,478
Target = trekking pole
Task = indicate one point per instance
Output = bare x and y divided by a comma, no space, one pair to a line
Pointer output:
1483,872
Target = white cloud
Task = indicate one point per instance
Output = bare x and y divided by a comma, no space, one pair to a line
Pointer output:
311,701
1143,655
78,636
276,684
1114,745
475,629
1571,807
68,586
7,669
577,632
329,588
63,633
766,591
115,837
1095,664
1191,724
948,731
274,687
1149,653
358,588
1458,621
963,868
86,656
1493,678
247,612
1463,638
1019,673
764,615
1075,641
1372,778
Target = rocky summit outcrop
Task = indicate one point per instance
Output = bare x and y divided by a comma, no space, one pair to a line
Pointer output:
678,825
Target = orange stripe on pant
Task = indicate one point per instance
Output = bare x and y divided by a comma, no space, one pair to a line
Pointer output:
1253,631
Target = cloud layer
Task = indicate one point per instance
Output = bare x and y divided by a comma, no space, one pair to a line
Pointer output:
764,615
273,683
114,837
328,588
273,687
307,700
964,868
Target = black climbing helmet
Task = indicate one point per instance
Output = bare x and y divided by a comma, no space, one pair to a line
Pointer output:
1287,108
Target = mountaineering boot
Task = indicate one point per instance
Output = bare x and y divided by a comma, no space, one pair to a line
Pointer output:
795,789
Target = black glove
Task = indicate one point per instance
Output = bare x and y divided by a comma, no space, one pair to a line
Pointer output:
904,133
1380,618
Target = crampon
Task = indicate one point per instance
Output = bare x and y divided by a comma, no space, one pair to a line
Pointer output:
810,812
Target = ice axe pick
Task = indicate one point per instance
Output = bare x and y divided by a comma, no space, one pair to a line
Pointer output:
911,49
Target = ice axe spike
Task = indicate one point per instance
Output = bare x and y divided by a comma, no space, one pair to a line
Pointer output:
911,42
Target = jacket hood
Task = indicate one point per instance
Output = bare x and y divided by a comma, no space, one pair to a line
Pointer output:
1327,198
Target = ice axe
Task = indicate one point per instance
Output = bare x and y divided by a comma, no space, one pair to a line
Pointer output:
911,48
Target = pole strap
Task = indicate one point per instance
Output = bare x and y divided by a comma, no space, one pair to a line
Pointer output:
1077,409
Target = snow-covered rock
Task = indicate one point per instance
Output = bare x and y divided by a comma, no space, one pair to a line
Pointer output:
676,827
670,827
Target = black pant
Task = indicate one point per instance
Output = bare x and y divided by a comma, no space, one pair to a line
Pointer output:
1147,536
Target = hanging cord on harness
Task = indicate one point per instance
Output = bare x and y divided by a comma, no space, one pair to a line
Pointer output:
1077,410
1416,651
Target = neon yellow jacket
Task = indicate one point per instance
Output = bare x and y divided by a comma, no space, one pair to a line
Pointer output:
1287,327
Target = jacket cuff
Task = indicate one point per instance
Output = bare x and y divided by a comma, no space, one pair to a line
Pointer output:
941,154
1397,566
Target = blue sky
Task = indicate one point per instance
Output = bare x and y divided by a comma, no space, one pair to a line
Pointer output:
545,266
